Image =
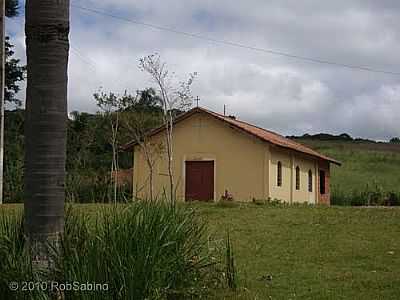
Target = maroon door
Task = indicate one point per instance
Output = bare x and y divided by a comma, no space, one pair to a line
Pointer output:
199,180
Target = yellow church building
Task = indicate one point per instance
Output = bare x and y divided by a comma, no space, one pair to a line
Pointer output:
216,156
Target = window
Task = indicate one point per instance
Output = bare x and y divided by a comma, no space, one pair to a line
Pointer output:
322,182
297,178
310,181
279,174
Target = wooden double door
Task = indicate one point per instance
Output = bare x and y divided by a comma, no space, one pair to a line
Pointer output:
199,180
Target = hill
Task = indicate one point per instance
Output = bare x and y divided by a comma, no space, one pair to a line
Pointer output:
369,168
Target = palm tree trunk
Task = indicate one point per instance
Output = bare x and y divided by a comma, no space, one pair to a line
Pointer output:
47,47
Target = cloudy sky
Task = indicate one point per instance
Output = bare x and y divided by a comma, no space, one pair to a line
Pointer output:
276,92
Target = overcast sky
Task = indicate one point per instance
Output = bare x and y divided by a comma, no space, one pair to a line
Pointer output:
278,93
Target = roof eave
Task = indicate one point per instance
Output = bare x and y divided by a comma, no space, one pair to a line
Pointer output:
132,144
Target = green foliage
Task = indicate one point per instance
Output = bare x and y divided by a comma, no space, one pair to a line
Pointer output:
269,201
369,196
231,276
324,137
12,7
395,140
13,156
93,186
144,250
226,204
89,152
369,173
14,73
16,265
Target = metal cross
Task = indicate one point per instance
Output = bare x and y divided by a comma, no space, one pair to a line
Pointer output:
197,100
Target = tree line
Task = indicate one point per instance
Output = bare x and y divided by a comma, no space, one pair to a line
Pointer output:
344,137
93,146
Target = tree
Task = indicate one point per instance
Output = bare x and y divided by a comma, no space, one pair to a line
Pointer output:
14,155
395,140
9,75
173,96
47,47
14,74
141,114
11,8
151,150
111,105
133,113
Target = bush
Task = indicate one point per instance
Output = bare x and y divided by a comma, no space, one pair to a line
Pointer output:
370,196
269,201
142,250
15,263
94,187
226,204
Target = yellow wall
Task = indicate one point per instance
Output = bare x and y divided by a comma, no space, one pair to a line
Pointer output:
303,195
290,160
280,192
244,165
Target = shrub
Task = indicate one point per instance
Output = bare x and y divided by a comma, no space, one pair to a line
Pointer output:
15,263
144,250
94,187
393,199
226,204
370,196
269,201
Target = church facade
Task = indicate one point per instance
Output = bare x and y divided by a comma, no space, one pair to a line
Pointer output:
217,156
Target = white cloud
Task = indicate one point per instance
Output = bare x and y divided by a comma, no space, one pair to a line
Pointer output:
279,93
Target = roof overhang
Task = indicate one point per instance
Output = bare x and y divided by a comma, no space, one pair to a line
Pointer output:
233,122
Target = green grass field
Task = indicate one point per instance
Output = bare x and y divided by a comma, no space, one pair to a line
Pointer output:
312,252
364,164
308,252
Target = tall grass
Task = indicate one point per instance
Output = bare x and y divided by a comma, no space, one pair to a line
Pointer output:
92,187
373,195
231,276
15,262
143,250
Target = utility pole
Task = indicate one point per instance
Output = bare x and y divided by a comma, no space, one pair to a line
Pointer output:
2,82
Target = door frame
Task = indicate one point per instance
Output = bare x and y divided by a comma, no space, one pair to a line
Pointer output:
195,157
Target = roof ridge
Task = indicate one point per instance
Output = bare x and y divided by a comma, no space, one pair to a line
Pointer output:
291,143
256,126
274,138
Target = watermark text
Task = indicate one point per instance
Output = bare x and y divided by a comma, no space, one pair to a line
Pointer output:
53,286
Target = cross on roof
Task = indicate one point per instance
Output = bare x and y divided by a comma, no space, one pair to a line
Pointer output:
197,100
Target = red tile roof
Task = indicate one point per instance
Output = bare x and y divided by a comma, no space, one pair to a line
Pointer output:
261,133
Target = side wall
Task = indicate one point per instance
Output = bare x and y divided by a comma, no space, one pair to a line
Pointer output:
240,160
290,160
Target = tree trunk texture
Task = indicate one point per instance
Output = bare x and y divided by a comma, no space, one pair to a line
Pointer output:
47,47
